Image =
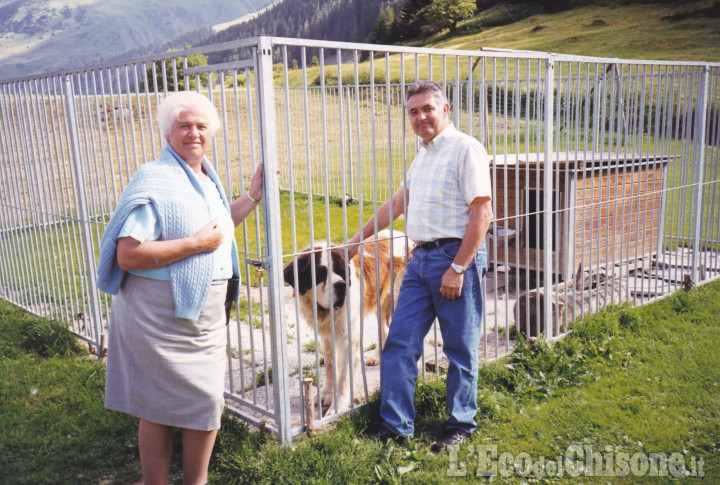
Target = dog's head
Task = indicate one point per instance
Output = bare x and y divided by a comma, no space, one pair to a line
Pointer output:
330,279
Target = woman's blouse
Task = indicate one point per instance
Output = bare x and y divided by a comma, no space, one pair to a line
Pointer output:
143,225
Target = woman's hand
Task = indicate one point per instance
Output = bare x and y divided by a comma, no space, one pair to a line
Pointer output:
256,184
209,237
245,204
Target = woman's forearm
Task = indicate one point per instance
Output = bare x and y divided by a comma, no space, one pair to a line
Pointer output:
242,206
133,254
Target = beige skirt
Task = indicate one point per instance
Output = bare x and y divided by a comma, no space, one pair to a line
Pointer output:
164,369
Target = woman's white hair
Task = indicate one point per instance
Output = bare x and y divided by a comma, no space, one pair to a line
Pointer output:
183,102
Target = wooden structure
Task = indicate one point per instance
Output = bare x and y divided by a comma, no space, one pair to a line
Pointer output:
607,208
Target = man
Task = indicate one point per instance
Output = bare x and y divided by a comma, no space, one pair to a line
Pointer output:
449,210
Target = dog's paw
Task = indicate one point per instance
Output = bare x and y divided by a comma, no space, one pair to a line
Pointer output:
372,361
342,406
326,399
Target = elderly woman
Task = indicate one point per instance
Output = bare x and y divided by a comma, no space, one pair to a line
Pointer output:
167,254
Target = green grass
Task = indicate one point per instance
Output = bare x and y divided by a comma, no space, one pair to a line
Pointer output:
326,212
54,426
630,380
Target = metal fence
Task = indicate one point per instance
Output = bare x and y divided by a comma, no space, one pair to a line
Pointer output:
605,172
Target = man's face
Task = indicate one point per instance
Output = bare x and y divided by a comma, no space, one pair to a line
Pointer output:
189,137
427,117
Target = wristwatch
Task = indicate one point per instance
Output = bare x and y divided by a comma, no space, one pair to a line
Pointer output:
457,268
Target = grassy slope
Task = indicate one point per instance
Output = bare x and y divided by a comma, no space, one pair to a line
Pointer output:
643,380
630,31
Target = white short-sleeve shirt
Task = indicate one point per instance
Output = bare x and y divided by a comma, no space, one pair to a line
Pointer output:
446,176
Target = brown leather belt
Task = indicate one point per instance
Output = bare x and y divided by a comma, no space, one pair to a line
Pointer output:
428,245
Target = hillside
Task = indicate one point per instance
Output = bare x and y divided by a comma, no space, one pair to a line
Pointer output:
339,20
606,28
46,35
683,31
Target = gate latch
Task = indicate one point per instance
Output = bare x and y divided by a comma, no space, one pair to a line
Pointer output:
260,266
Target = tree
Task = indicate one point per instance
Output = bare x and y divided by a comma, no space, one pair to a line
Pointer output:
445,14
408,23
382,31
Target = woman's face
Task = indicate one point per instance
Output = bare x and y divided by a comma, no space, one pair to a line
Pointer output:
190,138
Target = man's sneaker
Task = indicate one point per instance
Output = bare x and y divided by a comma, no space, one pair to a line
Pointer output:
449,437
384,434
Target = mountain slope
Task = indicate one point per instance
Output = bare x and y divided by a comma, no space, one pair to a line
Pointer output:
685,31
46,35
339,20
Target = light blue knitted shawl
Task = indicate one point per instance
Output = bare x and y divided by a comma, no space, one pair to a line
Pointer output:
177,197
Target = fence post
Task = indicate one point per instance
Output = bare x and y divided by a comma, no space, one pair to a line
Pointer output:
273,237
699,163
548,196
81,205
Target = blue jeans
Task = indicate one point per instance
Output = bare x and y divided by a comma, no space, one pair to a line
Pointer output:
419,303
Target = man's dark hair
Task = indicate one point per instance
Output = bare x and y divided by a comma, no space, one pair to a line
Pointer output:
427,86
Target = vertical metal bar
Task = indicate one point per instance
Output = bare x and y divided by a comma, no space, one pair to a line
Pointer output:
360,190
82,208
699,162
683,128
311,220
559,266
36,195
582,176
10,188
517,216
47,169
614,135
653,123
712,177
621,187
661,117
547,191
238,138
493,138
62,162
325,177
523,234
24,207
390,186
506,189
273,238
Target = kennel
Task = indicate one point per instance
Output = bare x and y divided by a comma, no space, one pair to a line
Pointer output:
607,209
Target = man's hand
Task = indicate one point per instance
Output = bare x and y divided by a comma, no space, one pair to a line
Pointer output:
352,247
451,284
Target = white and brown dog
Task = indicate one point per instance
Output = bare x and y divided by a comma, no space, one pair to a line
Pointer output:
383,267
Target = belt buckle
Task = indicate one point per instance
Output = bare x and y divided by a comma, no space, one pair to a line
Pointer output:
427,245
